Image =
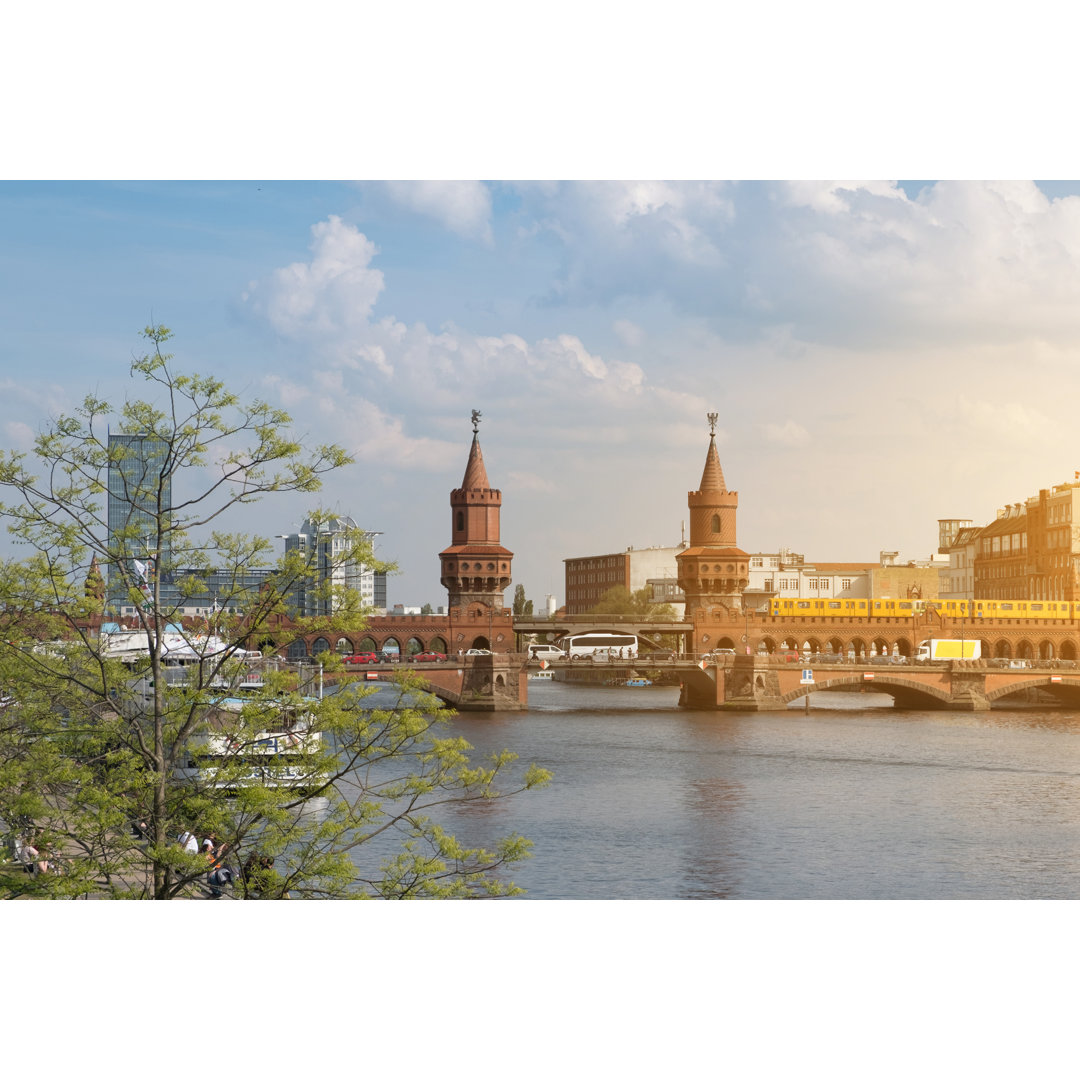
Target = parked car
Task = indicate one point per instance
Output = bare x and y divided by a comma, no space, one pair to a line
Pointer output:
477,652
389,658
361,658
428,658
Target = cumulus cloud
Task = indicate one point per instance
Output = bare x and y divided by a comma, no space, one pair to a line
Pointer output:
327,296
375,380
834,262
462,206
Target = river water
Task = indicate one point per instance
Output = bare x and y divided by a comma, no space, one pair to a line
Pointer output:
850,801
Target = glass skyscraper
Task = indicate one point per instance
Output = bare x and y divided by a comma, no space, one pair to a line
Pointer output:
140,488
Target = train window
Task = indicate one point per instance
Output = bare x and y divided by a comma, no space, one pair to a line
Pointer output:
1036,607
905,605
803,604
835,604
1006,607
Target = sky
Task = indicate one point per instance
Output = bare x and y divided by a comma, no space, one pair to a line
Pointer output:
881,353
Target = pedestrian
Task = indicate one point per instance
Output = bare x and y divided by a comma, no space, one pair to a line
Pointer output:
188,842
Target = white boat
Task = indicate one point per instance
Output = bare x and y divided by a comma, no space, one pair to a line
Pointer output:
229,754
273,757
545,676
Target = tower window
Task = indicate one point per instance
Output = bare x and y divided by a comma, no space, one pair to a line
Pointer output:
460,521
716,523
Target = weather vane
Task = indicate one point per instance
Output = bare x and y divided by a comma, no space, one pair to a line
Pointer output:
713,417
475,420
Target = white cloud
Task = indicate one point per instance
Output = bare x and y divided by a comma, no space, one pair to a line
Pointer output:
326,297
462,206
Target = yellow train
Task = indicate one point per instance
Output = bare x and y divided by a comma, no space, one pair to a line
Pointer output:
953,609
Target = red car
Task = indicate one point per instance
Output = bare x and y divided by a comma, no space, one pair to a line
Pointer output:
428,658
362,658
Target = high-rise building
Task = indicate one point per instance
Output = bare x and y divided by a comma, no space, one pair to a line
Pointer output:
326,545
140,493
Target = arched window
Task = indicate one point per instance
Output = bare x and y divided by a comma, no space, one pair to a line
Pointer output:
716,523
297,650
460,521
319,645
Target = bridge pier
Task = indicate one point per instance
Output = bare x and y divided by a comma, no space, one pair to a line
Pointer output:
498,682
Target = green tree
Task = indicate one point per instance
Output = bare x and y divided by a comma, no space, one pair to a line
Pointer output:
108,755
619,600
519,600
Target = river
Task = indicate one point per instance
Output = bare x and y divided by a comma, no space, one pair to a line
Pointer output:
850,801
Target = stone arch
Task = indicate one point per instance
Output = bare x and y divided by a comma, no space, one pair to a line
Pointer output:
1002,650
725,643
1025,650
413,646
759,682
1067,650
858,647
834,645
767,644
1046,650
268,646
480,642
319,645
438,645
500,682
367,644
880,646
343,645
391,645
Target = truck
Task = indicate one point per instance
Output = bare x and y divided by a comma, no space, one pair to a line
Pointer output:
949,649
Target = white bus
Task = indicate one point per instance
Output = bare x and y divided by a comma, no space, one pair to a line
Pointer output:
583,646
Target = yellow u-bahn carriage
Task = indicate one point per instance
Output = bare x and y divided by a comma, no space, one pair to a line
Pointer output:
845,608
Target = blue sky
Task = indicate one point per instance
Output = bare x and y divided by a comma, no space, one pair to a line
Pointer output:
881,354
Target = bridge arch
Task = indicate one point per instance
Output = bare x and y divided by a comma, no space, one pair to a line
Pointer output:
413,646
906,693
319,645
343,646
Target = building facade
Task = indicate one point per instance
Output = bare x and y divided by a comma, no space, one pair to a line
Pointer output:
327,547
588,577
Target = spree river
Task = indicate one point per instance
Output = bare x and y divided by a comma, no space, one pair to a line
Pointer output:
850,801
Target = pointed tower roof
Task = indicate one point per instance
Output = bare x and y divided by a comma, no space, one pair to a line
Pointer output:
712,479
476,477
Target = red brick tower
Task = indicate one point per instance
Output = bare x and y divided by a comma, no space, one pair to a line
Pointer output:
476,567
713,571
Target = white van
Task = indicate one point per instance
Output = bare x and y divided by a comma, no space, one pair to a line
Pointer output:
544,651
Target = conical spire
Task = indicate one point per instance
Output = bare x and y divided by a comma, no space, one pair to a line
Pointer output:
712,479
476,478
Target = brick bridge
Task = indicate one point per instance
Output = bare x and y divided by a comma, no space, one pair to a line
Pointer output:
757,678
757,684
